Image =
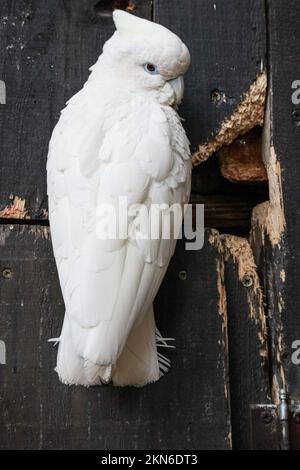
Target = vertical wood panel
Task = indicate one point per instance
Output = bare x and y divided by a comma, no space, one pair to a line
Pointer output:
247,338
228,46
279,255
187,409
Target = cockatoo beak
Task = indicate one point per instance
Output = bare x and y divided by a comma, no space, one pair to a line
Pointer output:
178,87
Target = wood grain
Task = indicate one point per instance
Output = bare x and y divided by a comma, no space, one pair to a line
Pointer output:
187,409
276,231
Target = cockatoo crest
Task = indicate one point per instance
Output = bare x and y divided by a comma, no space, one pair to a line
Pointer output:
130,25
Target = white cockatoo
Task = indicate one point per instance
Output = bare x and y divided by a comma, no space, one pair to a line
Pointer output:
120,137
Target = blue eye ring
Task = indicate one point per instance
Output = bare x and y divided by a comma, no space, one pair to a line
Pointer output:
151,68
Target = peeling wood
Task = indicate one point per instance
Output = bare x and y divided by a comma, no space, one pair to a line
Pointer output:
249,114
275,219
282,275
269,217
243,305
215,240
267,242
222,304
240,250
16,210
270,257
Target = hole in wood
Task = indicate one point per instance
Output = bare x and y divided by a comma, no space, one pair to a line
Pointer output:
217,97
182,275
7,273
231,183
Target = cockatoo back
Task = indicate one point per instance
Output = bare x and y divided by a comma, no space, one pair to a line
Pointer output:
118,139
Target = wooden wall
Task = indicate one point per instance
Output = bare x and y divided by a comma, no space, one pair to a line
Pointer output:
229,353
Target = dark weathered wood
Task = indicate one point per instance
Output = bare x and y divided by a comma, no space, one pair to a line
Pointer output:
231,212
295,427
265,428
46,51
187,409
247,338
277,251
227,44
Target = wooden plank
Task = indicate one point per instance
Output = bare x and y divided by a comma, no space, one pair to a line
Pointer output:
276,230
187,409
247,338
227,44
46,51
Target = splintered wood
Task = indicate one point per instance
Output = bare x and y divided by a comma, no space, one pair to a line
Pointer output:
15,211
249,114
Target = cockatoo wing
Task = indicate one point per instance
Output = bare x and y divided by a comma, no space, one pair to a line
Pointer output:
109,283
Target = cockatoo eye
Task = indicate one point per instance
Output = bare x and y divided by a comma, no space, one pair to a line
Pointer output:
151,68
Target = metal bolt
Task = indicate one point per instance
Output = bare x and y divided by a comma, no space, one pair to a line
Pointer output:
267,417
7,273
247,281
182,275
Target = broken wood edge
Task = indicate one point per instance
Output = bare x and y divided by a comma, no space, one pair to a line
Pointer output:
238,249
263,239
249,114
268,218
215,241
16,210
268,225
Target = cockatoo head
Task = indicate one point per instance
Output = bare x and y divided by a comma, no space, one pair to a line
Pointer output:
146,57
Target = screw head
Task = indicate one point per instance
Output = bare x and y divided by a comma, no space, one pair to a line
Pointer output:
247,280
267,417
7,273
182,275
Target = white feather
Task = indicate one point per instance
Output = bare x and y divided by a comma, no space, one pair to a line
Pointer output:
117,137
